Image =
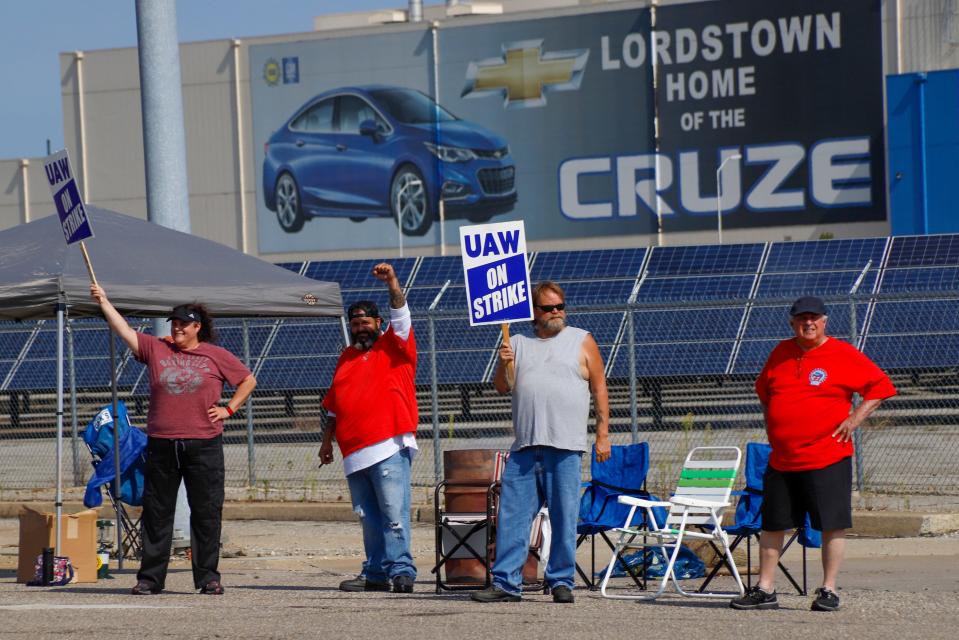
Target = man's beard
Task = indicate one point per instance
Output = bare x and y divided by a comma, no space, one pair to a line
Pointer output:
363,340
554,325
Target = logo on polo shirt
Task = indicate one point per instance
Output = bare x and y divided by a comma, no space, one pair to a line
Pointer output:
817,377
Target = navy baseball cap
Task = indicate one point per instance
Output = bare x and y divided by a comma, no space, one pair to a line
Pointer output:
808,304
361,309
185,313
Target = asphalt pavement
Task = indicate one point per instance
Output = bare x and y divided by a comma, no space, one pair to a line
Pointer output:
281,582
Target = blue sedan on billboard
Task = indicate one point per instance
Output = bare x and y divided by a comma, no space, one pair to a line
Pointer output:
384,151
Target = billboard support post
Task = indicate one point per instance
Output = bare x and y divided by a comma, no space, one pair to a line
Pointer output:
441,207
719,194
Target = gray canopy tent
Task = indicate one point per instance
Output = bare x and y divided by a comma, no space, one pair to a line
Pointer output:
146,270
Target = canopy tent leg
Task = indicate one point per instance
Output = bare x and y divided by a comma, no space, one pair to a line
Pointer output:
58,504
117,487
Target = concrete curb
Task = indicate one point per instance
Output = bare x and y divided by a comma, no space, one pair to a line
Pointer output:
902,524
878,524
277,511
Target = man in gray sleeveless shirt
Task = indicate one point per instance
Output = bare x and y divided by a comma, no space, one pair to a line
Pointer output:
551,377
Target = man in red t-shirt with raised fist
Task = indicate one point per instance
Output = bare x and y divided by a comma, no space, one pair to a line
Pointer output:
372,413
806,390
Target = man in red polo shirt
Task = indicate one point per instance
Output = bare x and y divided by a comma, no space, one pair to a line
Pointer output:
371,410
806,390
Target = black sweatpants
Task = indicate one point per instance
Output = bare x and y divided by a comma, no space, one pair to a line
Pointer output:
200,464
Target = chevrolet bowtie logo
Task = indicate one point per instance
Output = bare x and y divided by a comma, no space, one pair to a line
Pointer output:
524,74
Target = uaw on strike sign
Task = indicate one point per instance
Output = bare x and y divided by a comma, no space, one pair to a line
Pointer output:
66,198
497,274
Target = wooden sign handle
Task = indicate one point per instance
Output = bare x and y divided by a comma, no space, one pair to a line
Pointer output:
510,374
86,260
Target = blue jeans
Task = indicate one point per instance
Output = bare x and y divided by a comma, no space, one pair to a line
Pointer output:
535,476
381,498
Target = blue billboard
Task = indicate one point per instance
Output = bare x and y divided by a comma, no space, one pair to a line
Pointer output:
768,113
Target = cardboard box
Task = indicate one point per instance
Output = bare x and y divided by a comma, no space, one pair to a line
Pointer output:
78,541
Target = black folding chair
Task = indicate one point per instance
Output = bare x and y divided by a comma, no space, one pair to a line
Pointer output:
464,536
132,541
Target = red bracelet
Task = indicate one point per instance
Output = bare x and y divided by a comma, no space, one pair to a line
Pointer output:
229,411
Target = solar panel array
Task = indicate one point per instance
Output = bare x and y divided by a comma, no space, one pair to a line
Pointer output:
28,355
923,331
701,310
792,269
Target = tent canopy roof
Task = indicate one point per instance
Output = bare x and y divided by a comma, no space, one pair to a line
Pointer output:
146,270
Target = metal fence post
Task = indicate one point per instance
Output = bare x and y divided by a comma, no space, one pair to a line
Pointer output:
857,442
434,406
77,480
250,448
856,400
631,342
434,385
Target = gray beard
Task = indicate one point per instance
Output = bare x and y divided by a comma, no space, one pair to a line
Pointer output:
552,327
364,341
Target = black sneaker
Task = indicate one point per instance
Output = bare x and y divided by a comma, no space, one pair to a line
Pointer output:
492,594
212,588
826,600
755,598
354,584
562,594
360,583
144,588
403,584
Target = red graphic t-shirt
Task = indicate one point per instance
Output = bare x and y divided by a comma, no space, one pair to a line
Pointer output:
808,394
184,385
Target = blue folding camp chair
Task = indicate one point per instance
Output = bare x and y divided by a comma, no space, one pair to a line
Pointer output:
99,438
624,474
748,523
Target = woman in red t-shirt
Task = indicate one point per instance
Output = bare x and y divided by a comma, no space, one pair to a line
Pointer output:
185,437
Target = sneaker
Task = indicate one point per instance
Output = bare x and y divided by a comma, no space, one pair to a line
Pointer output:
755,598
144,588
354,584
562,594
826,600
403,584
492,594
212,588
360,583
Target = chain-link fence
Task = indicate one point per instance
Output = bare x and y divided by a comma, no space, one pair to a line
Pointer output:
680,374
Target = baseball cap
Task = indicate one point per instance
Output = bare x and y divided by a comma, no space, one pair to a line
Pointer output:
185,313
363,308
808,304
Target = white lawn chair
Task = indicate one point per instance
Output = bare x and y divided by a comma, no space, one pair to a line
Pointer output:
701,497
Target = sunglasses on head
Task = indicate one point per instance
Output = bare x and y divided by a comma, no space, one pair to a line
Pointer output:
547,308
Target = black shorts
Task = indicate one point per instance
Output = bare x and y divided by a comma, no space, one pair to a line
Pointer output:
825,494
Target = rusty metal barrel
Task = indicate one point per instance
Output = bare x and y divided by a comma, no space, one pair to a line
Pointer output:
477,466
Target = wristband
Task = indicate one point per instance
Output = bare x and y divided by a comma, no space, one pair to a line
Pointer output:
229,411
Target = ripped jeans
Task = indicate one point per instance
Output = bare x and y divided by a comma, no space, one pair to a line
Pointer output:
381,498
